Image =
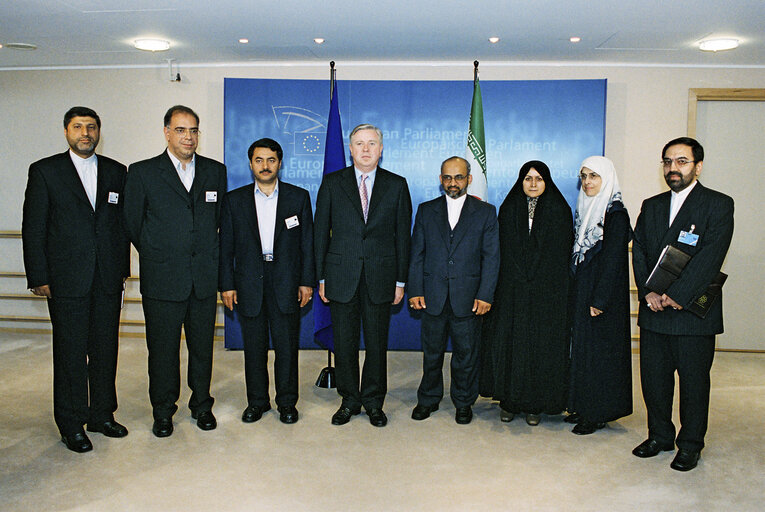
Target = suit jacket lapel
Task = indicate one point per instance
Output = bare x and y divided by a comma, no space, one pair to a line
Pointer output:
70,177
348,183
684,215
282,203
201,179
442,220
102,184
381,187
170,174
250,213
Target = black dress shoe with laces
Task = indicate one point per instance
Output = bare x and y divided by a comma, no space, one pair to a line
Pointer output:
377,417
108,428
77,442
464,415
685,460
343,415
650,448
163,427
254,412
421,412
205,420
288,414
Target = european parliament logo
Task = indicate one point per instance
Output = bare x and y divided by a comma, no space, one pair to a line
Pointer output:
306,127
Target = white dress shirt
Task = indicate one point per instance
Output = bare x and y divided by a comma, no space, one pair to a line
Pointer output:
266,208
454,209
87,170
678,198
186,172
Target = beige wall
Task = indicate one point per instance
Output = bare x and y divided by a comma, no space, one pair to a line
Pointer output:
646,107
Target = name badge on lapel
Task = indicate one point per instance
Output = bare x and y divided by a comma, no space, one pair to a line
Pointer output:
689,237
211,196
292,222
114,198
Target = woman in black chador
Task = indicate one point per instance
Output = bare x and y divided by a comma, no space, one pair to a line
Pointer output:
525,339
601,358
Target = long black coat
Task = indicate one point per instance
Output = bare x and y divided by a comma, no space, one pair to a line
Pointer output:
525,340
601,358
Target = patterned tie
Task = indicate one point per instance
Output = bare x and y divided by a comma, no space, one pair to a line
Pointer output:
364,196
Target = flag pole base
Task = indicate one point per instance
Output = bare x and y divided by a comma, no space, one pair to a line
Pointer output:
326,378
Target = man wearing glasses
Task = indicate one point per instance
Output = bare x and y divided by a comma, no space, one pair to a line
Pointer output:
699,222
172,212
453,272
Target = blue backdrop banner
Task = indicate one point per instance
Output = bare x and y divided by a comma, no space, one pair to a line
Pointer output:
560,122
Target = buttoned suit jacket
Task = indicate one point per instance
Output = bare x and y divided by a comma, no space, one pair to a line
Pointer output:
344,244
241,262
175,231
710,214
461,264
64,238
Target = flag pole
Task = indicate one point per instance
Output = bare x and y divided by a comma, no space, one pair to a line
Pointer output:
326,377
475,70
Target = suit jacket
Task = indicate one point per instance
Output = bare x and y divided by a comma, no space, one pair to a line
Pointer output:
711,215
175,231
64,239
241,262
462,264
344,244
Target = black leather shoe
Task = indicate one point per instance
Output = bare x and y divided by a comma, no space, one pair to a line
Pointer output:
205,420
584,428
377,417
253,413
650,448
343,415
108,428
288,414
464,415
685,460
572,418
421,412
78,442
163,427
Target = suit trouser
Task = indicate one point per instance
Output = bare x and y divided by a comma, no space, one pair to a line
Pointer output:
285,335
347,321
85,345
164,319
465,335
691,356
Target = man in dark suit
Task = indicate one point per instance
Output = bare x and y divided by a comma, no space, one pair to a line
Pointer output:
698,221
267,271
172,213
452,276
76,254
362,234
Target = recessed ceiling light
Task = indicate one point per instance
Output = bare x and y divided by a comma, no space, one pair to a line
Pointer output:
21,46
152,45
574,39
716,45
244,40
493,39
318,40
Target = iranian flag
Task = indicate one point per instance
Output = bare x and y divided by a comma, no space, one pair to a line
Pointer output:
476,146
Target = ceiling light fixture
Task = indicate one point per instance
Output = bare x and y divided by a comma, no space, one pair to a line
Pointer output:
318,40
717,45
244,40
574,39
152,45
21,46
493,39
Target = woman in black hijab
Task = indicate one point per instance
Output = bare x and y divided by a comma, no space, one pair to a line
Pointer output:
525,338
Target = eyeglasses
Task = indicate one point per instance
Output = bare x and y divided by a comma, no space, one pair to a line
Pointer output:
183,131
680,162
459,177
